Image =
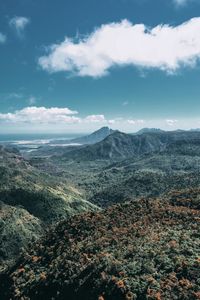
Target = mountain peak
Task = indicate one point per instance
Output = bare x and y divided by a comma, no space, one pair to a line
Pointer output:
94,137
103,129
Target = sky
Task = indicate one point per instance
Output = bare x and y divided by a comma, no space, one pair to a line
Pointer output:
75,66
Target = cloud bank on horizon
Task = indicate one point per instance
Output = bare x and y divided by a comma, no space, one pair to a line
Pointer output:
42,116
54,115
163,47
57,120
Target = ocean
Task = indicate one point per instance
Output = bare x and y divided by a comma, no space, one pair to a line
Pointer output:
32,137
34,141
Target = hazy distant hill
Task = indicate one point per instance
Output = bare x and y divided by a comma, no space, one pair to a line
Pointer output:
148,130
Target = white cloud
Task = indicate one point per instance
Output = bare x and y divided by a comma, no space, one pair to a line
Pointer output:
53,115
111,122
19,24
171,122
131,122
54,119
59,116
40,115
2,38
163,47
57,119
95,119
135,122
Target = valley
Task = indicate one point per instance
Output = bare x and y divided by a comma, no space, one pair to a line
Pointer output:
119,213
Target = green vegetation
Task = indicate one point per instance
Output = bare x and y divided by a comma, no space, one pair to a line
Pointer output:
30,200
17,228
145,249
124,167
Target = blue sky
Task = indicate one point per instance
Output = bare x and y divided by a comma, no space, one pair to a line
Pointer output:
74,66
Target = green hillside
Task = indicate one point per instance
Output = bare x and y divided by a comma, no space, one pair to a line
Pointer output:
146,249
31,200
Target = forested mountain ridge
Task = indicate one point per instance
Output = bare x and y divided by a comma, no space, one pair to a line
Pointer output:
119,250
119,145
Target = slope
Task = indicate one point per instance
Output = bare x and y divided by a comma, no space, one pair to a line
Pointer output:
147,249
117,146
30,201
92,138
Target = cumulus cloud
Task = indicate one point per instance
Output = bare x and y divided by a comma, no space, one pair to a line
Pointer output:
111,122
40,115
19,24
2,38
53,115
163,47
95,118
171,122
59,116
135,122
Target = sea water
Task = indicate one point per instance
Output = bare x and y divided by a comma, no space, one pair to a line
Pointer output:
34,141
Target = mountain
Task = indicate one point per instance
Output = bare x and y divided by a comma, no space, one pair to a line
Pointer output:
151,175
196,129
31,200
92,138
69,145
35,194
145,249
116,146
155,165
119,146
149,130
